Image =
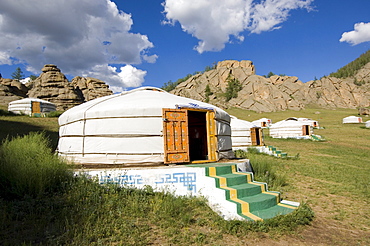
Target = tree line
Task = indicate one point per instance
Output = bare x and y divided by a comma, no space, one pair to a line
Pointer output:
351,68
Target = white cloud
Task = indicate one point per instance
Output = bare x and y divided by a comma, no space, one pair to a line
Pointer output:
129,76
75,35
360,34
214,22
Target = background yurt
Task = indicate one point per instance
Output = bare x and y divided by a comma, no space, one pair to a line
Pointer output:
263,122
314,123
144,126
291,128
244,134
367,124
31,106
352,119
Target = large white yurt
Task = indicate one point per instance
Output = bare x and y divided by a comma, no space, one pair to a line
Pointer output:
367,124
144,126
291,128
244,134
352,119
31,106
263,122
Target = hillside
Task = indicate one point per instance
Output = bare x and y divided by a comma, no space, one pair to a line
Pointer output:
235,84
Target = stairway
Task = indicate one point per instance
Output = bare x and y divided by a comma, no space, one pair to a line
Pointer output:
277,153
253,200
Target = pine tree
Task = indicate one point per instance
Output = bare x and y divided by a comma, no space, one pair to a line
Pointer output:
18,74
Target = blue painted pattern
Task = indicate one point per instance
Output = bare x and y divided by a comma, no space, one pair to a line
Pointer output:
188,179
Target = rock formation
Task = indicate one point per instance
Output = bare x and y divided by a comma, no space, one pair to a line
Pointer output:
275,93
54,87
258,93
11,90
90,88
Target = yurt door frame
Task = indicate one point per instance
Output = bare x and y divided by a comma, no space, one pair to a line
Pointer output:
306,131
256,136
189,135
35,107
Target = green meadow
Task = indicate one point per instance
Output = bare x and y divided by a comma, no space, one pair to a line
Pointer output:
330,179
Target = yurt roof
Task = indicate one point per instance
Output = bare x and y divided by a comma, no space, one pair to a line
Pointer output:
143,101
351,117
238,124
288,122
262,119
29,100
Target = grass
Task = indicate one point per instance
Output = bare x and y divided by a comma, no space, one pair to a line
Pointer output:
329,178
333,173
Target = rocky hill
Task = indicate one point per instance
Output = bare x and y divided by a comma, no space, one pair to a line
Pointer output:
54,87
275,93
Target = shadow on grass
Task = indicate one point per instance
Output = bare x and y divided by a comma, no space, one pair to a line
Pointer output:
11,129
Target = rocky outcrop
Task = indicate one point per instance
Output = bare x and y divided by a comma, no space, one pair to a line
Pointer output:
330,92
54,87
258,93
11,90
90,88
275,93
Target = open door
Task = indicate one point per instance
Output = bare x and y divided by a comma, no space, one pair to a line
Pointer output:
189,135
256,136
35,107
176,138
306,130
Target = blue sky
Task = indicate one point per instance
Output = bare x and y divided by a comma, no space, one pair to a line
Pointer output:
131,43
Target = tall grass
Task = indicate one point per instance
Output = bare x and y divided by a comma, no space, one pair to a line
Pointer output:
29,168
264,167
49,206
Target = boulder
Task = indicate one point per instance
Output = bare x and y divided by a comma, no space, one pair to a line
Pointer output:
90,88
54,87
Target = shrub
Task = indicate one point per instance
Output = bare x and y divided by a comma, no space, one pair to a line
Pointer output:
29,168
232,89
54,114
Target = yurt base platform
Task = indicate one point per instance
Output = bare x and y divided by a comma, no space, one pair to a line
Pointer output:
229,192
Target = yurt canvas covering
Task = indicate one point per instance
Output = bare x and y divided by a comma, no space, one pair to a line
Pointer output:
313,123
263,122
291,128
30,106
244,134
145,125
367,124
352,119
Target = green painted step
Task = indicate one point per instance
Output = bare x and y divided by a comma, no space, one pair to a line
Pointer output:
253,200
272,212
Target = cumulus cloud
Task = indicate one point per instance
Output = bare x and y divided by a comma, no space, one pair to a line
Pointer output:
76,35
360,34
128,76
215,22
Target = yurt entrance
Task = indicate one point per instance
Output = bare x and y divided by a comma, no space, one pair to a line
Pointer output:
306,130
189,135
36,107
256,136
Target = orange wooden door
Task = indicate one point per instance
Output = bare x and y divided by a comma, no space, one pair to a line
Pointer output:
36,108
256,136
176,136
212,136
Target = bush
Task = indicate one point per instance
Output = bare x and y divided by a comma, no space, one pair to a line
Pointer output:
29,168
54,114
